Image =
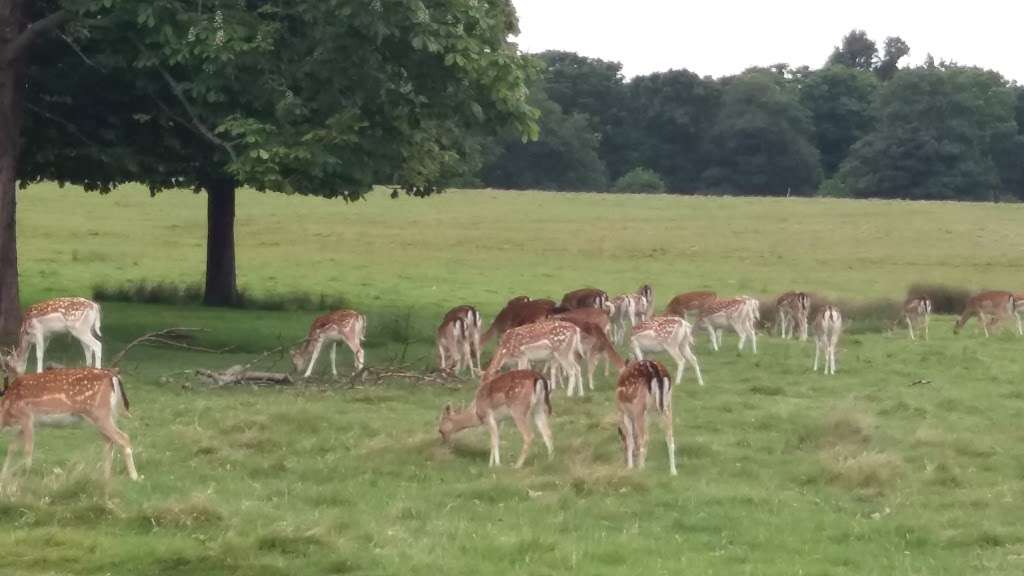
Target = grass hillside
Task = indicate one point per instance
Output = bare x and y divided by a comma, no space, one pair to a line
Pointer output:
907,462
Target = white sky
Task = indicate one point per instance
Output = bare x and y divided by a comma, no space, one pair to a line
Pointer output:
722,37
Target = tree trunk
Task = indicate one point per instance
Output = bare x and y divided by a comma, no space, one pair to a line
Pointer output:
10,135
221,288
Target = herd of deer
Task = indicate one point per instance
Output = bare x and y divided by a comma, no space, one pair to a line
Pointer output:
585,325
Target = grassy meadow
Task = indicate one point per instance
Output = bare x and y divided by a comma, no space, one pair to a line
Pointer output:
909,461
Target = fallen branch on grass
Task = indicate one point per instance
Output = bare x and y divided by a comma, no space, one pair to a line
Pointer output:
173,337
240,375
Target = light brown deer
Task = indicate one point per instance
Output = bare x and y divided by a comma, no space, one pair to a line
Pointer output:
92,393
585,298
79,317
555,340
828,325
346,326
671,334
643,385
518,394
739,313
594,345
792,309
688,302
916,311
457,340
990,307
517,312
623,314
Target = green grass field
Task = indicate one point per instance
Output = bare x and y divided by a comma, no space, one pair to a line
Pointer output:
781,471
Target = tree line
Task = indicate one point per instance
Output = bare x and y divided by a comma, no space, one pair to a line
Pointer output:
860,126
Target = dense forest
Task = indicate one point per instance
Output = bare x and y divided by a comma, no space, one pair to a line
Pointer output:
861,126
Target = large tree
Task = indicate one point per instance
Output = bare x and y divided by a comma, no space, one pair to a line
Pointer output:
841,102
762,140
307,97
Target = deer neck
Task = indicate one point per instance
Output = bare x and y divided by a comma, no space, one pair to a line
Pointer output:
465,418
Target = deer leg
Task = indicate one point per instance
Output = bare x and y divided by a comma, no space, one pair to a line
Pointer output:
637,353
591,366
12,447
803,329
540,418
466,356
476,351
680,362
28,440
628,438
741,331
817,350
313,357
360,354
108,458
984,323
1020,324
910,327
523,424
666,423
40,351
334,359
440,354
641,440
688,355
492,427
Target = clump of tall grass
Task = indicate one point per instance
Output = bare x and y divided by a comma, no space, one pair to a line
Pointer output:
145,292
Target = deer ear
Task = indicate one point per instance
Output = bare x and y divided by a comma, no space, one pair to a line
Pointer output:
447,409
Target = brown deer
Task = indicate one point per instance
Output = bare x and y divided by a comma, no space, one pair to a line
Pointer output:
519,394
453,346
471,325
92,393
688,302
828,325
554,340
517,313
78,317
346,326
916,311
990,307
585,298
642,385
739,313
791,310
671,334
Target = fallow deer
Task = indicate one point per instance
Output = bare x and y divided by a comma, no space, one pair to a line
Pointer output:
671,334
990,307
828,325
92,393
346,326
916,311
79,317
642,385
739,313
518,394
472,324
792,309
517,313
453,346
594,344
623,313
545,340
688,302
585,298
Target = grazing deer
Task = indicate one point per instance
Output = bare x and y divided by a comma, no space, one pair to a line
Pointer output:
792,309
471,324
518,394
916,311
688,302
92,393
990,307
453,346
347,326
828,325
641,384
546,340
671,334
738,313
517,312
79,317
585,298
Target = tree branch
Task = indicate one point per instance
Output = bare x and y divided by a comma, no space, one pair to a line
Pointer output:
80,53
17,46
203,129
71,127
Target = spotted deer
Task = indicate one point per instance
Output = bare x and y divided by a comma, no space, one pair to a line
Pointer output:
688,302
585,298
517,394
916,311
78,317
738,313
594,345
670,334
828,325
92,393
465,336
643,385
555,340
518,312
792,309
990,307
346,326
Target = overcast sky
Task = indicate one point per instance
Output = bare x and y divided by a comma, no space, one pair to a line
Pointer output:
721,37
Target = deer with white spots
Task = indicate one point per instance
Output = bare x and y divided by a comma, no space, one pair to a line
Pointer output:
739,313
631,309
688,302
517,394
916,311
792,309
79,317
828,325
346,326
92,393
554,340
990,308
458,339
643,385
670,334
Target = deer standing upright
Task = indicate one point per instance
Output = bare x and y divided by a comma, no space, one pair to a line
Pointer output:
643,385
792,309
828,325
671,334
916,311
738,313
554,340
